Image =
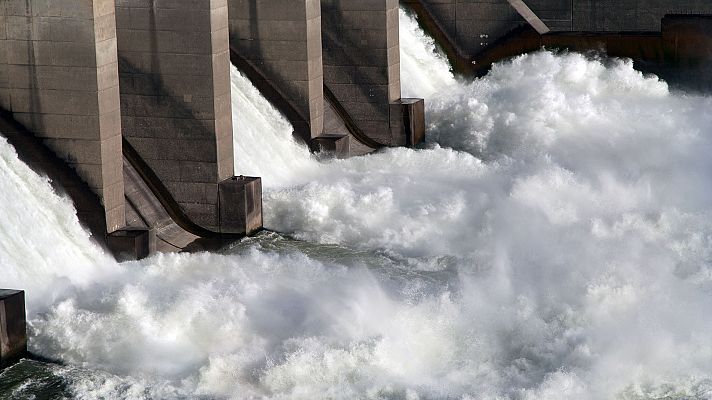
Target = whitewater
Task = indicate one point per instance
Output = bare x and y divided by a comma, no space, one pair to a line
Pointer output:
552,240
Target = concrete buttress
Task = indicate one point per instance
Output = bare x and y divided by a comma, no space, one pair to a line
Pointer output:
59,79
174,65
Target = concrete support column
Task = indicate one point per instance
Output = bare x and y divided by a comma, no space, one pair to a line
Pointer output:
362,63
13,326
58,77
174,66
282,40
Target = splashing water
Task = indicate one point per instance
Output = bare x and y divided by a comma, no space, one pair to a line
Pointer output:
423,67
553,242
261,134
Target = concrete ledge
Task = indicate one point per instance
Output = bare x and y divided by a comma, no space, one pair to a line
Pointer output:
132,244
13,326
335,145
240,204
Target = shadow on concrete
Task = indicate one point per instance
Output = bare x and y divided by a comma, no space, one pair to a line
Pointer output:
64,180
340,49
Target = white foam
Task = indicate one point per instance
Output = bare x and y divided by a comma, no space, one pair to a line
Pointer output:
42,246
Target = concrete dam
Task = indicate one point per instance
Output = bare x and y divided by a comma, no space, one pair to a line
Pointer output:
125,105
549,238
132,100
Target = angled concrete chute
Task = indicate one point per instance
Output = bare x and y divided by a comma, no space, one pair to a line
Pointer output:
169,204
350,124
529,16
289,110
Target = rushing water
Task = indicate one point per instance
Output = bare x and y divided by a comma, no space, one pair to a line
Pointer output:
553,241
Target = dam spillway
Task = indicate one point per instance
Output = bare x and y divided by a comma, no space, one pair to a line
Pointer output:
551,240
134,96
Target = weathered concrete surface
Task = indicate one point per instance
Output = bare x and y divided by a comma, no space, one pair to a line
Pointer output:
529,16
175,97
629,15
241,205
58,77
475,26
152,206
145,211
282,39
687,40
132,244
413,112
687,49
362,63
13,326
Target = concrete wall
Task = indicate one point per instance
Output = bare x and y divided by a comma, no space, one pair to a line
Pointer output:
175,96
475,25
58,76
631,15
282,39
362,64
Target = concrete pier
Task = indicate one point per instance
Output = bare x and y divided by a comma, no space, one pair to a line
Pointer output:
13,326
241,205
58,78
362,64
413,120
175,99
282,39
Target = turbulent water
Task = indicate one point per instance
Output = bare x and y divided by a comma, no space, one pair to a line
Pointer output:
553,241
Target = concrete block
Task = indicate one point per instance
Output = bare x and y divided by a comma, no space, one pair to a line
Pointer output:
240,205
413,120
13,326
132,244
332,144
